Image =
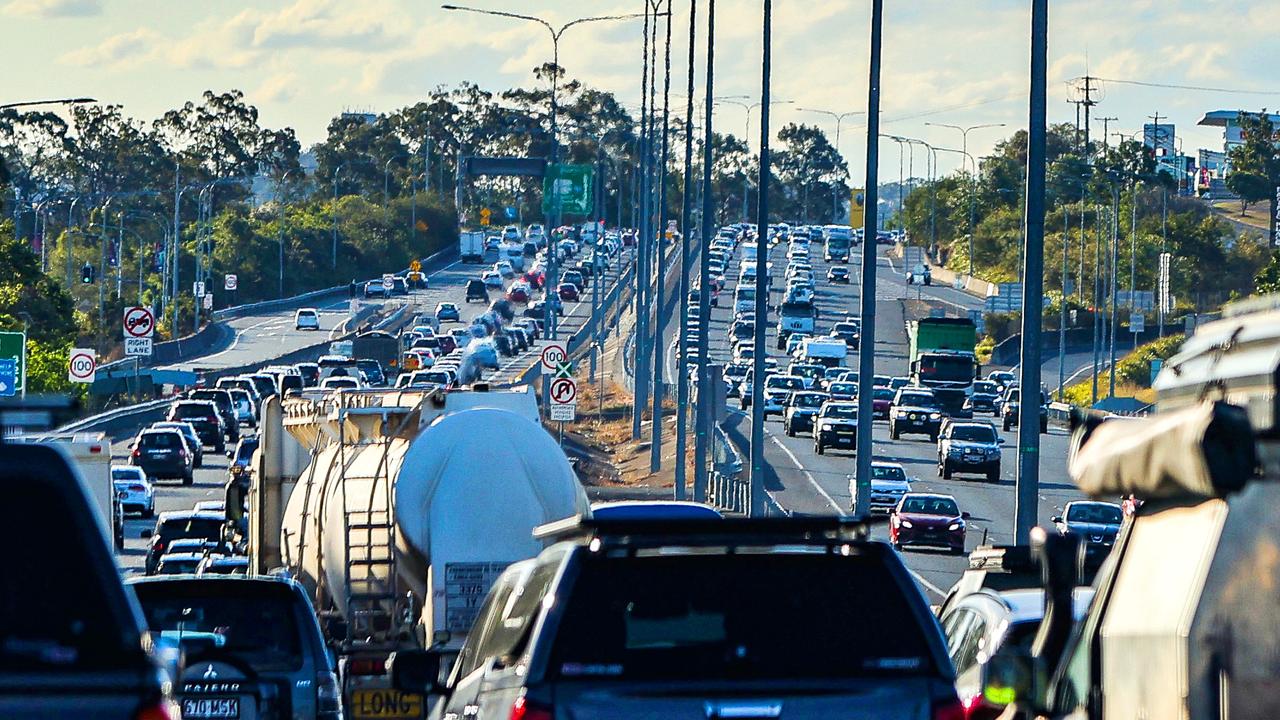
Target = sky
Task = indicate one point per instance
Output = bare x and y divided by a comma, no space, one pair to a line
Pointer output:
960,62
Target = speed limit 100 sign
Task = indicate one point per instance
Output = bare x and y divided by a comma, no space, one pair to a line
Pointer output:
83,365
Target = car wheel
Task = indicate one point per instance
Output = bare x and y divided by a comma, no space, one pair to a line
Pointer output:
150,512
993,476
893,431
188,479
957,551
818,448
221,447
897,546
744,403
946,470
199,461
1007,424
933,437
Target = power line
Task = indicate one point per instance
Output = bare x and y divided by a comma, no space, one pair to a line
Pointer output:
1198,88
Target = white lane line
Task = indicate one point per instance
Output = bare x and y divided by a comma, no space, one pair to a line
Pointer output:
928,585
839,510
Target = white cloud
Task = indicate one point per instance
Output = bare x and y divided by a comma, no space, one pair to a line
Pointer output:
116,51
281,87
54,8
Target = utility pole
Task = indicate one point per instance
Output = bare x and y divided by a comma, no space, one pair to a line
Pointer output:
757,504
1028,479
703,419
660,317
682,365
867,291
640,397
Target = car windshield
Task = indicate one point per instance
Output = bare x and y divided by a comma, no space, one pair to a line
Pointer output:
784,382
918,399
1100,513
698,617
946,368
844,388
810,371
843,411
797,309
808,400
887,472
883,393
973,433
984,387
931,506
126,473
253,621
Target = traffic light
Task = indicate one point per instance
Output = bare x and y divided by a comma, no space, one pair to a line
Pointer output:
86,274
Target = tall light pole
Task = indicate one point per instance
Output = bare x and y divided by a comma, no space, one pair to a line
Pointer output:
973,179
556,34
756,504
655,446
682,364
280,230
703,420
839,118
746,181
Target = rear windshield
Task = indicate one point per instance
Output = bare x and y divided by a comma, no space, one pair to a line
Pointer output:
189,410
254,621
700,617
206,528
161,440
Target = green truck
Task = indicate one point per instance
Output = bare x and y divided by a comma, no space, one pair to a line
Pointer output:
942,356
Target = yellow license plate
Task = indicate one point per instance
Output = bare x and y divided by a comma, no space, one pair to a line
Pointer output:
386,703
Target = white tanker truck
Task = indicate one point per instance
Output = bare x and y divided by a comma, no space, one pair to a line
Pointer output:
397,511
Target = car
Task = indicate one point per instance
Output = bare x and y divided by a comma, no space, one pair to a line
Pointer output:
477,290
928,519
986,621
519,340
1003,379
340,383
241,465
1010,406
448,312
226,408
531,326
504,268
518,293
919,274
881,402
836,426
777,390
75,645
492,279
399,286
575,278
189,436
889,482
310,373
812,373
983,398
802,408
504,344
969,447
843,390
182,524
245,409
223,565
203,416
134,489
696,596
370,372
848,331
1095,523
914,411
259,629
568,292
178,563
163,454
375,289
485,355
306,319
838,274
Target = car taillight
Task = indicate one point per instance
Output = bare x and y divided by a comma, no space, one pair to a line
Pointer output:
163,709
525,709
136,453
328,695
367,666
137,488
182,453
949,709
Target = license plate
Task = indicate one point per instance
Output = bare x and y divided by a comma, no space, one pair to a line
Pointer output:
385,703
210,708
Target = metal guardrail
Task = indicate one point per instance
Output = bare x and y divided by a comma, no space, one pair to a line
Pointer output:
110,416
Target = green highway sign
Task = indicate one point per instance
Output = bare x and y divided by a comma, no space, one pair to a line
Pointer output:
13,346
567,188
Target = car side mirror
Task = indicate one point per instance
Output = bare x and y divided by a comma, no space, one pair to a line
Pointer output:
230,454
416,671
965,515
1056,519
1002,441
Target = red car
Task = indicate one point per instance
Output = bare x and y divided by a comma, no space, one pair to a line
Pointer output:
518,294
928,519
447,344
536,279
881,401
568,292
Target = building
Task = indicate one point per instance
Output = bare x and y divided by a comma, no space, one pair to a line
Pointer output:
1229,121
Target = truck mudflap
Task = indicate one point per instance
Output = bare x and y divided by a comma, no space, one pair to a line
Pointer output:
367,693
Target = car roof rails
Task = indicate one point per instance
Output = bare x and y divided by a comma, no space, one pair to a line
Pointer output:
828,532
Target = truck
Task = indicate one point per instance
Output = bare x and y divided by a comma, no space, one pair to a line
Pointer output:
942,357
827,351
377,346
839,239
471,246
373,500
795,317
91,453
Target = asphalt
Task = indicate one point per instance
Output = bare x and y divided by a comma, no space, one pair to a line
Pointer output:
800,481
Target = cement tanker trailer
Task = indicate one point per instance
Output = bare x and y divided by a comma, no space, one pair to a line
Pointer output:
411,506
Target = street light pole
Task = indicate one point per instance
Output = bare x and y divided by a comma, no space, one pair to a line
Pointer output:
756,506
655,446
682,362
704,420
973,179
839,118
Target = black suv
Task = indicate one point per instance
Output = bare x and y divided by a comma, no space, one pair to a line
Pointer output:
664,617
203,416
915,410
252,646
226,409
476,291
72,635
1010,406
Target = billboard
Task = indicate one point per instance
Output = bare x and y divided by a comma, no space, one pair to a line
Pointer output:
1160,138
857,211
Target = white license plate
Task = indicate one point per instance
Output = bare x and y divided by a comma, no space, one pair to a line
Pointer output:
193,708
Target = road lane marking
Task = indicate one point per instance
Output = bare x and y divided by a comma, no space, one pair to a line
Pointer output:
928,585
839,510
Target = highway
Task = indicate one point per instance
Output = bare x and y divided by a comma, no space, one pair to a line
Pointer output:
801,481
260,338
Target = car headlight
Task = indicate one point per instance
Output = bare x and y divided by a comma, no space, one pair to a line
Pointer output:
954,526
935,416
906,523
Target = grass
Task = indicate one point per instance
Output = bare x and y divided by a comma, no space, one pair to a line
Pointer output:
1256,215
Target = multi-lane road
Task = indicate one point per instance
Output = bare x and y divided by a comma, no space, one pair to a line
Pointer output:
801,481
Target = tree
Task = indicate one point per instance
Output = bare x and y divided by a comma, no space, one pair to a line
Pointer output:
1255,159
1250,186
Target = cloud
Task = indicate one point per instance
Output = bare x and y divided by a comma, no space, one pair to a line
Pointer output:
115,51
277,88
325,24
54,8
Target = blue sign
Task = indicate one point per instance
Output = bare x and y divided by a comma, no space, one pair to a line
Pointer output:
8,377
511,213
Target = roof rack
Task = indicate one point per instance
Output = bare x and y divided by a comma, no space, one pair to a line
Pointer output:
630,532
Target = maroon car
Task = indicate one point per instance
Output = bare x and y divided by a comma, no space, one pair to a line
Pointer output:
928,519
568,292
881,401
518,293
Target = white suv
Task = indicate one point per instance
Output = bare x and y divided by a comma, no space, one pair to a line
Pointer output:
306,319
